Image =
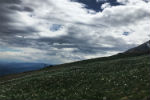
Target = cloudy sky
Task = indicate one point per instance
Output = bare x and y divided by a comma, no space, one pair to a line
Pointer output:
59,31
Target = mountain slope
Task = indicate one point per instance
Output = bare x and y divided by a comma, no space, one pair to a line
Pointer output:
119,77
142,49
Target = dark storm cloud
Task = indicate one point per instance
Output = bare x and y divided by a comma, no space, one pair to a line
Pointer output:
4,14
10,27
5,19
9,19
21,8
16,42
10,31
10,1
146,1
92,25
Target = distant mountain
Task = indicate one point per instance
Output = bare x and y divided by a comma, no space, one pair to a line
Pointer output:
12,68
141,49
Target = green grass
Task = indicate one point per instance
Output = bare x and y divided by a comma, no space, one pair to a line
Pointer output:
114,78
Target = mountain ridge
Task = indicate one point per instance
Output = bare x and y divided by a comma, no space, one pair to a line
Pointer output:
14,68
141,49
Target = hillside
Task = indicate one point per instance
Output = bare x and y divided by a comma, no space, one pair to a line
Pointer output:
141,49
115,78
74,49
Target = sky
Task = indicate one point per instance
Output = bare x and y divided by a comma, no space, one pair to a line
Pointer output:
61,31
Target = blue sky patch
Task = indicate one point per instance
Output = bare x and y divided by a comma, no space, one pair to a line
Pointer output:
96,4
55,27
5,49
126,33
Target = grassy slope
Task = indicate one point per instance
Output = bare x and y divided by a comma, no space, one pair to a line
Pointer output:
112,78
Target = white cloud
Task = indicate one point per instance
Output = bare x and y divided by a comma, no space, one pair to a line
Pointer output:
106,5
131,2
101,0
84,30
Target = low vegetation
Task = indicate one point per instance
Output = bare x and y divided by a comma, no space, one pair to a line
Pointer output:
113,78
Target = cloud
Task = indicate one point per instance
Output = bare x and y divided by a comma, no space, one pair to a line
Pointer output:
10,1
105,5
114,17
58,31
20,8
